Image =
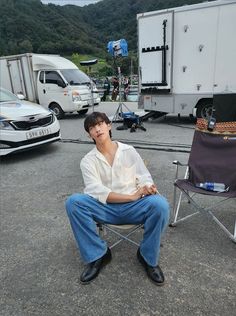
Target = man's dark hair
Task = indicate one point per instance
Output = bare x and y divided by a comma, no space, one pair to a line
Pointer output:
95,118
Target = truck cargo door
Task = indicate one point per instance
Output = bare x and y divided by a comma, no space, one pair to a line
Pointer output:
155,51
16,76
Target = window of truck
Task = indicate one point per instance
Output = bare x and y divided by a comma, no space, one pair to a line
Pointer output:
75,77
52,77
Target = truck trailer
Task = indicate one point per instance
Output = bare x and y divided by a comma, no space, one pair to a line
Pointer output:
186,56
50,80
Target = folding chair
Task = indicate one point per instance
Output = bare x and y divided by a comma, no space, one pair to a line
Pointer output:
212,159
117,229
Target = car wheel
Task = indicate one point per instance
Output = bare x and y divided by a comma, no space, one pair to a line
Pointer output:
82,112
205,110
57,110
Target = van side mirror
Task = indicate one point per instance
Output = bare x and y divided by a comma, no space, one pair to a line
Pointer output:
20,96
60,83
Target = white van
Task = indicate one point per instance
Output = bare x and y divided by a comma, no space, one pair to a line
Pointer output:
50,80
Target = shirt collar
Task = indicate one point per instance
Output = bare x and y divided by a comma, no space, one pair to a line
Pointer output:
121,148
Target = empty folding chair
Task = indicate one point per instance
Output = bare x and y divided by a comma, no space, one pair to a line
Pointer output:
212,160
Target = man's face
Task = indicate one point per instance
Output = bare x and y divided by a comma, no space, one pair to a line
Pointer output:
100,132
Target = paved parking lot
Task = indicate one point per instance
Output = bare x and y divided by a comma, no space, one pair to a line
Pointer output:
40,265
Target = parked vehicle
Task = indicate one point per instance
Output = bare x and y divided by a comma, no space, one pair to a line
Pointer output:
49,80
187,55
24,125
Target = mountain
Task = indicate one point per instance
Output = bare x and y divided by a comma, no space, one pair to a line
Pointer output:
30,26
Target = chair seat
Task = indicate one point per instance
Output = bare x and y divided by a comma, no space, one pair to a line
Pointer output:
186,185
123,226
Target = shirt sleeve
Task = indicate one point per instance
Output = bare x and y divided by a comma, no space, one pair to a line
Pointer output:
143,175
92,181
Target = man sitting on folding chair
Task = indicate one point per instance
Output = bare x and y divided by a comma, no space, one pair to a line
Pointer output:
118,190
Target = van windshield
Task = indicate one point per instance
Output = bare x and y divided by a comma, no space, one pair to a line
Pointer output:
75,77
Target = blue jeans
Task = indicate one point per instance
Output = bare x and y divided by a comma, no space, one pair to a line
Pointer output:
84,211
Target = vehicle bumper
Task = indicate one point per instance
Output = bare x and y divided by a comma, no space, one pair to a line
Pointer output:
96,101
12,141
80,105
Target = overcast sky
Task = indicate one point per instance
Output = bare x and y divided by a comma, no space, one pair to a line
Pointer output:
75,2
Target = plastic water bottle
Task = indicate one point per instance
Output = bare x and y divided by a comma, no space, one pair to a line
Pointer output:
212,186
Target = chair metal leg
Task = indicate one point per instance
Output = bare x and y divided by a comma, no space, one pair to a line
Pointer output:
234,239
231,236
207,211
176,213
124,237
103,227
176,206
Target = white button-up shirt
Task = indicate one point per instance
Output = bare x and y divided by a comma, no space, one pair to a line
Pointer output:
127,173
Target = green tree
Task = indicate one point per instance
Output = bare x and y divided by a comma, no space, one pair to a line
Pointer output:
29,25
25,46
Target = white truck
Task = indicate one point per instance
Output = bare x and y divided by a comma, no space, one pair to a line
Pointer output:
186,56
50,80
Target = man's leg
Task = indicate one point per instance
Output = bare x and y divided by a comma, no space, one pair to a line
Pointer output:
83,211
153,212
157,218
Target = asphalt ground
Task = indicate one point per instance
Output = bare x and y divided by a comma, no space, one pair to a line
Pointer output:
40,264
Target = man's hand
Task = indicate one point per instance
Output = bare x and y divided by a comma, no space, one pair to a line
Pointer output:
151,190
145,190
140,193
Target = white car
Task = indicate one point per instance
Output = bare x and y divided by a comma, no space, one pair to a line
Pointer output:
24,124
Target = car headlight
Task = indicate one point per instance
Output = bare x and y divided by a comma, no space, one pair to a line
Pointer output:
75,96
54,118
4,125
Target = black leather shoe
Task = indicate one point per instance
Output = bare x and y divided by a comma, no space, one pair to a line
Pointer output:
154,273
93,268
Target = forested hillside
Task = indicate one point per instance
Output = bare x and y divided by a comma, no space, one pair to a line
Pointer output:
30,26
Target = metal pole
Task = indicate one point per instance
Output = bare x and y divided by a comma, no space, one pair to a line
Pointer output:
119,74
92,95
131,71
164,54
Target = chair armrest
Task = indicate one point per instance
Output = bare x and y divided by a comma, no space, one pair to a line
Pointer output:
178,163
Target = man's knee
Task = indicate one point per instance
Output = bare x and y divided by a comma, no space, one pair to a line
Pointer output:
71,202
160,206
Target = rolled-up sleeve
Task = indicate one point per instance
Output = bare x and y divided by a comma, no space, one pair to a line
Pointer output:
92,181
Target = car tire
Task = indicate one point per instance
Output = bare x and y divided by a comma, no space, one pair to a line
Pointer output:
57,110
205,110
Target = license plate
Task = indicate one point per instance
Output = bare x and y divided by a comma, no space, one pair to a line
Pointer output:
91,102
38,133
